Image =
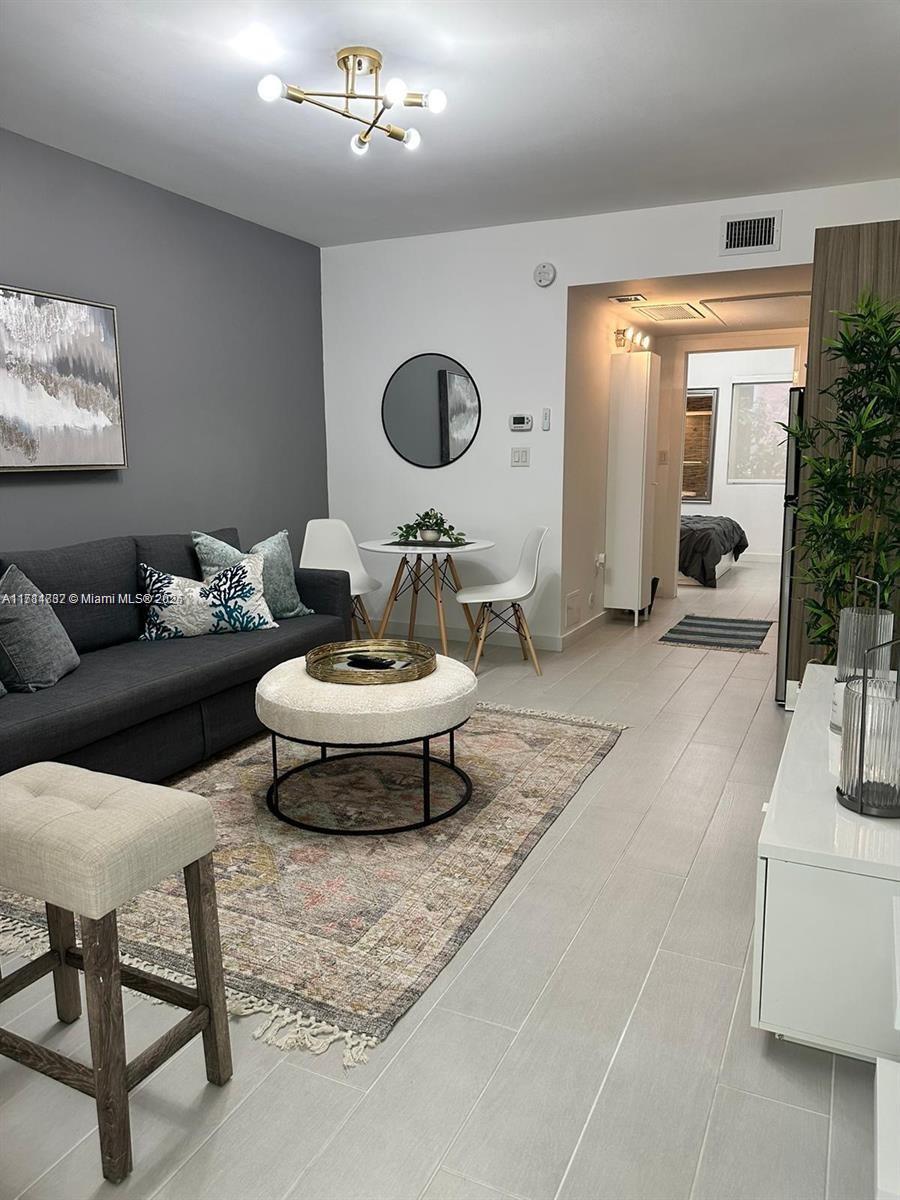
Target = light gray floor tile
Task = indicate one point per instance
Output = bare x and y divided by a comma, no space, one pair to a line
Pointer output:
392,1143
266,1142
758,1149
758,1062
524,1128
673,829
715,913
172,1113
643,1139
505,977
446,1186
851,1167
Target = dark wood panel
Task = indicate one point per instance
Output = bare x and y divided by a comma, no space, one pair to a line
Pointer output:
848,259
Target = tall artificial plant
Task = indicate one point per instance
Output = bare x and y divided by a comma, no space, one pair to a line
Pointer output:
849,516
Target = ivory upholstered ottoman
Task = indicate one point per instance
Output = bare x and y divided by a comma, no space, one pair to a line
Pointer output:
368,721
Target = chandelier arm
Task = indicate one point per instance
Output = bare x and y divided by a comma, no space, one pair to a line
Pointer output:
306,98
379,113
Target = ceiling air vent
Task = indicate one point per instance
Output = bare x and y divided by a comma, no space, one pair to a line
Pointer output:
670,312
634,298
750,233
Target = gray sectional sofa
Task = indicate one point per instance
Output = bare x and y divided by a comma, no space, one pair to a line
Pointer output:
146,709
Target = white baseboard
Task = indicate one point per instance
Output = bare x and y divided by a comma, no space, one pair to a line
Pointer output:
460,633
747,556
571,636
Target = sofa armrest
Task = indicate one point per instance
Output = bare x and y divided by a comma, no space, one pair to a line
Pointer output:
325,592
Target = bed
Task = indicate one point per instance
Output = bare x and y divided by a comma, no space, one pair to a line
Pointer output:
707,545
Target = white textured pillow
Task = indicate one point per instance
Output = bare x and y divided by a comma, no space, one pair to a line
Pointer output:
231,602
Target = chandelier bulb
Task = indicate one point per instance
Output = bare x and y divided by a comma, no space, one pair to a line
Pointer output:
436,100
394,92
357,145
270,88
412,139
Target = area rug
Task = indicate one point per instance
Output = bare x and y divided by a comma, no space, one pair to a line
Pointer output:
718,633
333,938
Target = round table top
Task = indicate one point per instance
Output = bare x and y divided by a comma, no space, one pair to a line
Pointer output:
388,546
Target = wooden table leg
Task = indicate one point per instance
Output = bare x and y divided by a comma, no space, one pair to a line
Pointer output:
66,985
457,583
439,603
102,985
200,885
414,600
392,597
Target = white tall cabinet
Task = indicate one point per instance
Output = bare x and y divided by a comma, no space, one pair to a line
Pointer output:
631,480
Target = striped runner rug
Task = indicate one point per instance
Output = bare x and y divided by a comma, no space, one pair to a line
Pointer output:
717,633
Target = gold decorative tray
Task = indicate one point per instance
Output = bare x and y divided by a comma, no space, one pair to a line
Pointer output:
371,661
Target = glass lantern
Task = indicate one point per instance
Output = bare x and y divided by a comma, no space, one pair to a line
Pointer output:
870,749
859,629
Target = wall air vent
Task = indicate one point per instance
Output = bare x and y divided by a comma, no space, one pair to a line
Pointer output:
634,298
750,233
670,312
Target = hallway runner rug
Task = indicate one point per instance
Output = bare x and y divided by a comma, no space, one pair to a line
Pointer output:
332,939
717,633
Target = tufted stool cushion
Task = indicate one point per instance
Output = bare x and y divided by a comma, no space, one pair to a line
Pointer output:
89,842
292,703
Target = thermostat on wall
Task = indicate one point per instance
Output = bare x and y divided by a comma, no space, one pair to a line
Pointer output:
521,422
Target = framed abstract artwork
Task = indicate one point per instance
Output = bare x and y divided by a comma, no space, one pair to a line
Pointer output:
459,412
60,384
757,445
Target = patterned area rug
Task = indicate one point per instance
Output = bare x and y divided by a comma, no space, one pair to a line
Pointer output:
717,633
334,938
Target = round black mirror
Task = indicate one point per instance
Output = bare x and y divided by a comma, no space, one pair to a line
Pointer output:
431,410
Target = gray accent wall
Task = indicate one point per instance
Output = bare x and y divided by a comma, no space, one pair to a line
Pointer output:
220,340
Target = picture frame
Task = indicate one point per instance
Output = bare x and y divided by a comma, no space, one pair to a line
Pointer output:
695,409
61,404
459,412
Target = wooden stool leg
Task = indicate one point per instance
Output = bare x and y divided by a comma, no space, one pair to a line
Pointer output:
200,884
61,928
107,1028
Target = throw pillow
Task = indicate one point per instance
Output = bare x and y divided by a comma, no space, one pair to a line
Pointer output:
35,650
231,602
279,585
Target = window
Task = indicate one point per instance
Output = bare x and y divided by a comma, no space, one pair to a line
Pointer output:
699,443
757,444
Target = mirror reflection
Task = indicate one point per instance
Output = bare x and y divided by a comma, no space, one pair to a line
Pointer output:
431,410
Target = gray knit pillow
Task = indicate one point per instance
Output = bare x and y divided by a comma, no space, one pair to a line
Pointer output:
35,650
279,585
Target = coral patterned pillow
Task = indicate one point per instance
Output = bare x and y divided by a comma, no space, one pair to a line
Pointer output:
231,602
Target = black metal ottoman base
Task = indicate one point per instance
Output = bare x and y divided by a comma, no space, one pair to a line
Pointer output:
376,750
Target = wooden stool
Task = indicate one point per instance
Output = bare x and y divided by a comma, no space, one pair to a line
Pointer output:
87,843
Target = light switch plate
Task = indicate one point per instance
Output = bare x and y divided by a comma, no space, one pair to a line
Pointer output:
545,420
520,456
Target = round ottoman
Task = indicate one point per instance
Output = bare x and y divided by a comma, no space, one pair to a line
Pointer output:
366,721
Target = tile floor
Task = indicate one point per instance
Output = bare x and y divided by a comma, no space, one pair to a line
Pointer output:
591,1040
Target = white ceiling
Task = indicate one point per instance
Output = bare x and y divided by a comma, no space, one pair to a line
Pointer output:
557,107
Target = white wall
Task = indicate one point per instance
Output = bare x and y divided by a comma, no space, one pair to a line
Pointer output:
470,295
757,507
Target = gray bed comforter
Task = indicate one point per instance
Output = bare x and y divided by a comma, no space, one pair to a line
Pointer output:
704,541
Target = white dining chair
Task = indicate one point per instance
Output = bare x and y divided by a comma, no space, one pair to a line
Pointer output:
501,603
330,546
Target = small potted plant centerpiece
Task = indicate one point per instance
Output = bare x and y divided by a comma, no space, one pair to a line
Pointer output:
429,527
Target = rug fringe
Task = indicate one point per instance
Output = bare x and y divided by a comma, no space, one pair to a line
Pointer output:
706,646
548,714
285,1028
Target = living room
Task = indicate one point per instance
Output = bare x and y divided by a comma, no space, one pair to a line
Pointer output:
308,380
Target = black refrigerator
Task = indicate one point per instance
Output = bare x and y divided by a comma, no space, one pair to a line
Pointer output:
791,494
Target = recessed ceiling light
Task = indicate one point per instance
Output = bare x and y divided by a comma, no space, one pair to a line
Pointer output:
258,43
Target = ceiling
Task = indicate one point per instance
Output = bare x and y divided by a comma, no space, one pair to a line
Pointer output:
737,301
557,108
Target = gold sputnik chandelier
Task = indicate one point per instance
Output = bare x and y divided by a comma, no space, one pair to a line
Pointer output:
356,62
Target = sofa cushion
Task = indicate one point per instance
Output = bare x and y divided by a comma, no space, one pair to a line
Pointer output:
232,601
35,650
279,584
106,569
136,681
174,554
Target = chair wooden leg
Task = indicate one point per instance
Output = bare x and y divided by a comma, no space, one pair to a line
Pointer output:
476,625
364,613
354,623
200,884
486,613
61,929
107,1029
414,598
517,614
527,633
392,596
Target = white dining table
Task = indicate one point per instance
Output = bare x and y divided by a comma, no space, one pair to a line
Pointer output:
412,575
